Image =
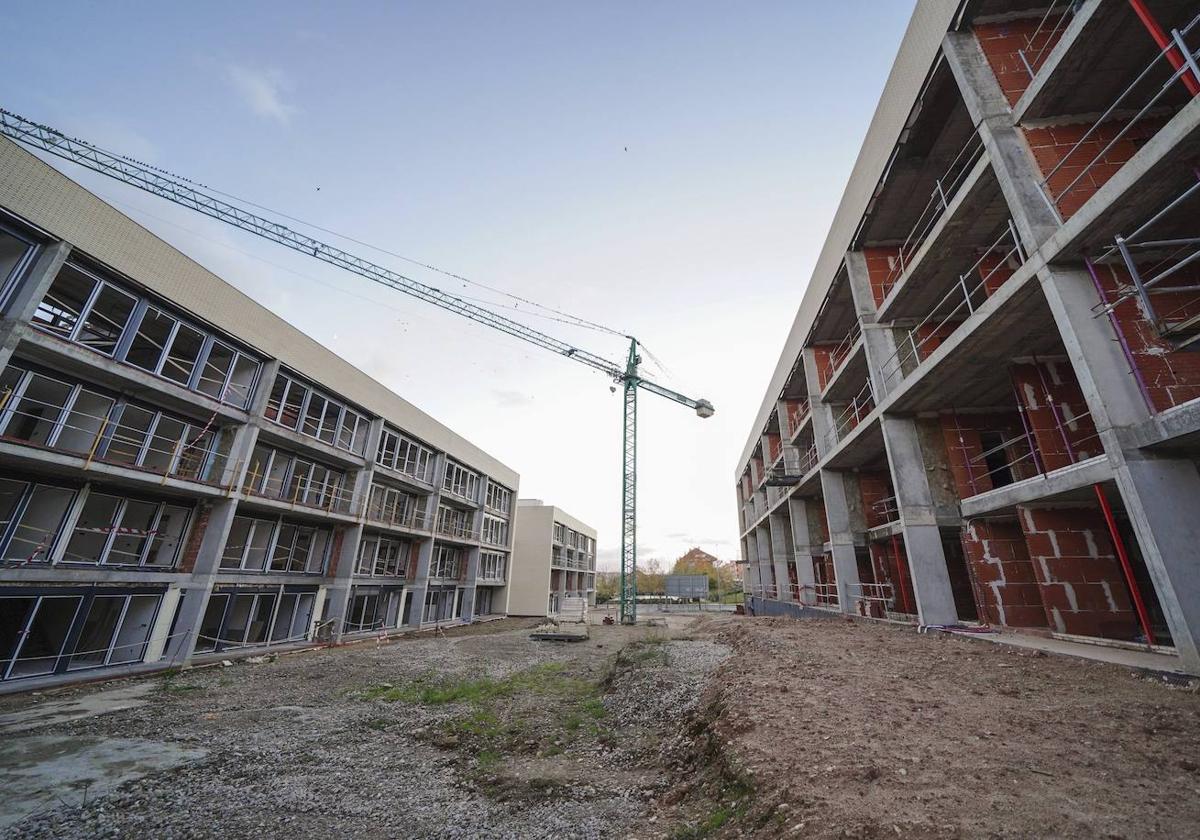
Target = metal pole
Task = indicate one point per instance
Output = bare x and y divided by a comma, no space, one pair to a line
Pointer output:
1126,565
629,492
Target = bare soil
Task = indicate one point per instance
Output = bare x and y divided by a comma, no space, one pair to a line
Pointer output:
836,728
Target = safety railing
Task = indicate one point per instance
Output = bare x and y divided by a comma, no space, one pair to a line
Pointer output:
814,594
945,188
459,530
1033,55
875,600
840,353
1181,60
797,413
956,306
852,414
413,517
302,492
886,510
192,453
1149,261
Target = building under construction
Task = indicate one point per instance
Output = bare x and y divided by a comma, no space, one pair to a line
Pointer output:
988,407
183,474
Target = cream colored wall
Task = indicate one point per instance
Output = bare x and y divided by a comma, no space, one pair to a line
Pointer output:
529,569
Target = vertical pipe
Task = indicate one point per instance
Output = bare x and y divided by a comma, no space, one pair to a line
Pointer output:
1112,319
900,569
1165,44
966,461
1029,438
1058,421
1126,566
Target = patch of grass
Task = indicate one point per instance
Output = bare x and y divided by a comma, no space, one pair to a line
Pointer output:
378,724
593,707
170,686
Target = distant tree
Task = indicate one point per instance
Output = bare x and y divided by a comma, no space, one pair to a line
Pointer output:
606,586
650,578
722,576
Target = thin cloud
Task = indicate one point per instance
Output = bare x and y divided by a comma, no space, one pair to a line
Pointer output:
262,91
511,399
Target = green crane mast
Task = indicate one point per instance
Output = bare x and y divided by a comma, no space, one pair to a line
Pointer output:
194,196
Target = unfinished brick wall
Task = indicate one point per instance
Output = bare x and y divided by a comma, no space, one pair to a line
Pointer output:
1082,585
963,436
756,465
191,549
1172,376
878,497
881,270
1056,412
335,549
1057,143
796,411
1007,592
995,269
774,447
890,565
1003,42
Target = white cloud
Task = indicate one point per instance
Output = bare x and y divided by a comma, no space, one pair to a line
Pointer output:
508,399
262,90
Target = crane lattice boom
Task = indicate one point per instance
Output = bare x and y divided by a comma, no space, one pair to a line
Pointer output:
188,194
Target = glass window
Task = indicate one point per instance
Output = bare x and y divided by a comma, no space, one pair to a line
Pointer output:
281,556
92,647
84,421
132,534
329,423
13,253
168,536
313,415
237,542
14,615
32,536
181,358
35,415
293,404
366,556
150,342
138,621
275,399
216,370
65,301
260,543
47,634
106,320
129,435
93,529
241,382
164,444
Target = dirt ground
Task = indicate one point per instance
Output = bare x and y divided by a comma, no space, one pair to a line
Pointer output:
716,726
833,728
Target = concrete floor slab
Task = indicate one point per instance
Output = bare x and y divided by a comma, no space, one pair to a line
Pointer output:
84,706
1141,659
44,771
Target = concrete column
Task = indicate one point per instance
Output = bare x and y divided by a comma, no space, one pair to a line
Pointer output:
338,596
840,490
906,462
468,606
822,414
1007,151
918,521
782,554
420,581
766,568
28,294
805,545
1162,499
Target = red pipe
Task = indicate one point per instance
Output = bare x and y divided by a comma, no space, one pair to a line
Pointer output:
1126,566
1165,43
900,570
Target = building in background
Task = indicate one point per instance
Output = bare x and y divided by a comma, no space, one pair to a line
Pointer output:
987,407
554,557
183,474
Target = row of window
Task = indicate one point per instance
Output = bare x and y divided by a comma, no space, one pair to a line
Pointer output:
242,618
499,498
102,316
63,415
376,608
275,545
495,531
404,455
277,474
392,506
302,408
108,529
461,481
49,634
573,539
448,563
383,557
453,522
491,566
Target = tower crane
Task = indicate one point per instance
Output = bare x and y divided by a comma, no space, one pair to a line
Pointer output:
195,196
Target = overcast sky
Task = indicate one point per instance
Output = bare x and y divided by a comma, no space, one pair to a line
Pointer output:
669,169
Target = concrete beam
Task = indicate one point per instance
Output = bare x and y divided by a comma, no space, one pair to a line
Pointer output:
26,297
